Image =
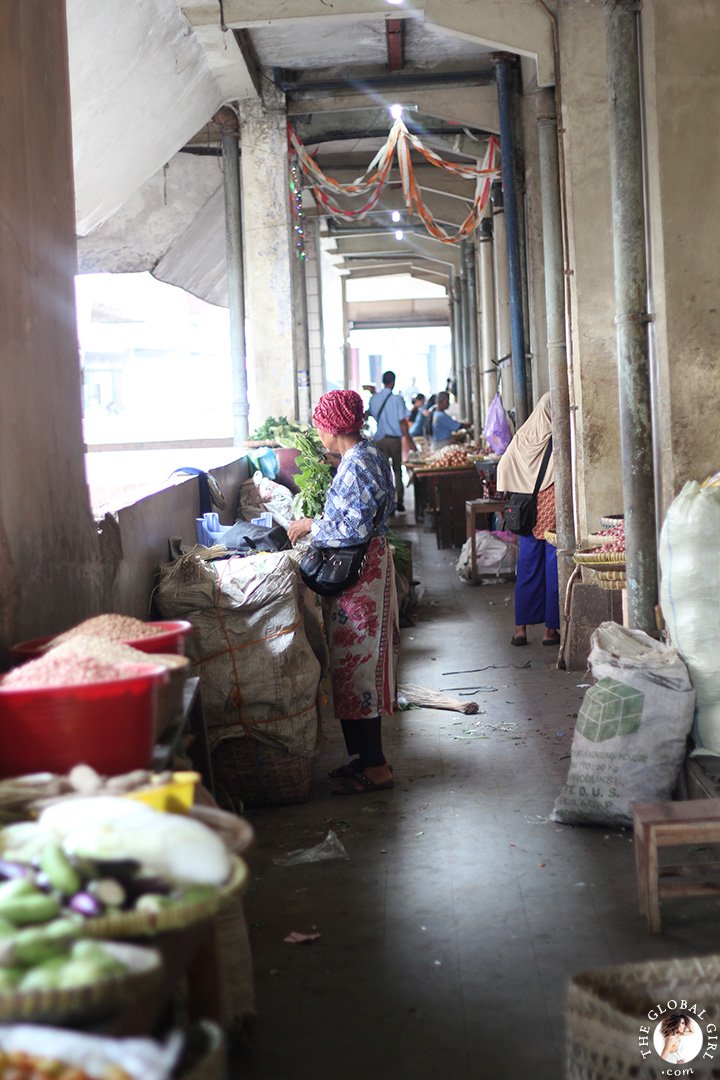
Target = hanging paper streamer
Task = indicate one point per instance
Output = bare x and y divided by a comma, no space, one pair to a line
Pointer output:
375,176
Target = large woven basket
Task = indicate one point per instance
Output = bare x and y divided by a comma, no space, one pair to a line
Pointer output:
607,1006
250,773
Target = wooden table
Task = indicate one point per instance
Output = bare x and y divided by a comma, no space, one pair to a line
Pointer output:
445,492
473,509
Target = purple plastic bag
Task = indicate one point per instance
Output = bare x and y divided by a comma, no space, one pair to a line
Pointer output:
497,430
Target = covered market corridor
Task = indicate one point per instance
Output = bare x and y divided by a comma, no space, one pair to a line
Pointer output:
448,936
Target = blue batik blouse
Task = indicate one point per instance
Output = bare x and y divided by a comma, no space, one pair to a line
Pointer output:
362,492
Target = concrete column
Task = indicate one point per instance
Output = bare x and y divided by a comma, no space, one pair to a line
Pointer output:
487,314
49,574
556,344
463,399
230,134
503,342
267,237
631,284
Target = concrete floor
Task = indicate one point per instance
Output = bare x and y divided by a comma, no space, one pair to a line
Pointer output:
448,936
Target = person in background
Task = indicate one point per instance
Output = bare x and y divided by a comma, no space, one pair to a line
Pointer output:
362,621
416,417
443,425
536,585
391,416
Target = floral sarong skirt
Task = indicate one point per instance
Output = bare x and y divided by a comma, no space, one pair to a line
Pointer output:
364,639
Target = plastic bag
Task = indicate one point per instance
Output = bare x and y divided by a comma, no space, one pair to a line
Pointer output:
492,555
690,598
497,429
265,461
330,848
631,732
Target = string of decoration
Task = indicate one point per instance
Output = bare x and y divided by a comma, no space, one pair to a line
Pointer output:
399,141
297,211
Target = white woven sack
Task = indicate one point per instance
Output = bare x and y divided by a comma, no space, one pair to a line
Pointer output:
631,732
258,672
690,598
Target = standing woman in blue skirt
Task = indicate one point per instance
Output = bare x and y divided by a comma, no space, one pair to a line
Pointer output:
536,587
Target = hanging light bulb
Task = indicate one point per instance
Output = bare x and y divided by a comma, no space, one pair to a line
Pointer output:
396,111
399,234
395,215
395,3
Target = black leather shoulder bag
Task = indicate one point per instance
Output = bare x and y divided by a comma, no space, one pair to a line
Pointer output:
521,511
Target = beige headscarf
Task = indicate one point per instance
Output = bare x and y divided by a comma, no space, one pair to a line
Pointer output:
519,466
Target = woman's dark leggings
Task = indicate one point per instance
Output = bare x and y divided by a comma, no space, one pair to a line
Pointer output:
362,737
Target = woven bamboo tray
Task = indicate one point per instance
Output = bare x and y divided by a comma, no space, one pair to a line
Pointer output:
250,773
614,560
607,1007
605,579
96,999
135,924
612,521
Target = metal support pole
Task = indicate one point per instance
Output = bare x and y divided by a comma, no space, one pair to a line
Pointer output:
503,78
229,141
626,175
556,344
467,332
462,326
503,339
456,332
473,351
302,341
487,312
346,336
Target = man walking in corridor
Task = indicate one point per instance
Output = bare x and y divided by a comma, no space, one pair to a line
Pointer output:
391,416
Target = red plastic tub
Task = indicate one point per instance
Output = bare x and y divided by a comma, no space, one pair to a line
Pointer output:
109,725
171,640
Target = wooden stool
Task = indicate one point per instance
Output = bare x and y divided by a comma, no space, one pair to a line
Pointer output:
673,824
473,507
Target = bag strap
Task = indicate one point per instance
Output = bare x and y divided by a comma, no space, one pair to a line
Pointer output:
380,411
543,466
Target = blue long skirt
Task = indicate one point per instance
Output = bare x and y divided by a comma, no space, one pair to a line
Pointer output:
536,587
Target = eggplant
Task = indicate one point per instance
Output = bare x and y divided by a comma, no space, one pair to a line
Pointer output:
120,869
9,870
140,886
84,903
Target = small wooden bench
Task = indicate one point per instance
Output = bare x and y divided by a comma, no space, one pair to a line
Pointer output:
674,824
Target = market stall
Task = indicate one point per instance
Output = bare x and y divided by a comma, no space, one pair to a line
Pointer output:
116,887
443,482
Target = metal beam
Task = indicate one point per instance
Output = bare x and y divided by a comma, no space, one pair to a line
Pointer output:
631,292
504,76
556,344
473,107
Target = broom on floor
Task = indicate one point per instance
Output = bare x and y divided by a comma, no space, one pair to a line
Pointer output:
427,698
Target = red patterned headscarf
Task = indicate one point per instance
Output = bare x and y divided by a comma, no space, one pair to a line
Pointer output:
339,412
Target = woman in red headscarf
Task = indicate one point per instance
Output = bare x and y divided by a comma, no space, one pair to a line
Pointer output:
362,622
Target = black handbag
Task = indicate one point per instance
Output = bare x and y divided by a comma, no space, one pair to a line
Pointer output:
521,511
328,571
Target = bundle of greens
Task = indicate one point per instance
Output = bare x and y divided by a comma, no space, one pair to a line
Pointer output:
284,431
401,554
313,480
